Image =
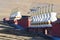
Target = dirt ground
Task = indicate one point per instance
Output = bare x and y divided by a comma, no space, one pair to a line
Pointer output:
7,6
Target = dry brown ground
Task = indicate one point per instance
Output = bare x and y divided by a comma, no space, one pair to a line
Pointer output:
6,6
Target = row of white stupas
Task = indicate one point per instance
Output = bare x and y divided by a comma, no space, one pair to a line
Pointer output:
45,17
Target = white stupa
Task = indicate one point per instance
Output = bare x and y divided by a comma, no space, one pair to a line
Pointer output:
45,17
15,16
53,16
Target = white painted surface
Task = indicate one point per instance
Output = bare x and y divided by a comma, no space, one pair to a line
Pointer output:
45,17
53,16
16,16
41,26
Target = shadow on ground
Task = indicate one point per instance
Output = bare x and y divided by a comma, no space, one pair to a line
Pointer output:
9,30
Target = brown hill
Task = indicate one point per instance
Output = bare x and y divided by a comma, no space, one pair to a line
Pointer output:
6,6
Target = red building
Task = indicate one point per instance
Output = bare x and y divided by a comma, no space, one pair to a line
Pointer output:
56,28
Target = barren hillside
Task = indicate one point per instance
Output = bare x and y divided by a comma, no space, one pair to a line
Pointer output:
6,6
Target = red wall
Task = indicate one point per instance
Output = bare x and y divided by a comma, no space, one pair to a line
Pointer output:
23,22
55,28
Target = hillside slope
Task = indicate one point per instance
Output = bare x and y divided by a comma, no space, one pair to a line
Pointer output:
6,6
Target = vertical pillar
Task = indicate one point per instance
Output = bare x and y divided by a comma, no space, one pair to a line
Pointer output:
46,31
